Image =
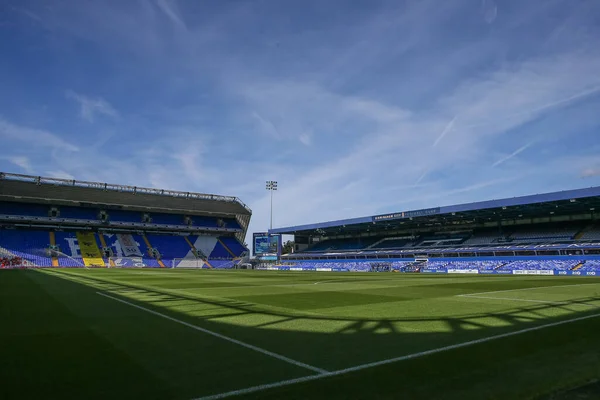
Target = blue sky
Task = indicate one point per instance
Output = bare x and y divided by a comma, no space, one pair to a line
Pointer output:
355,108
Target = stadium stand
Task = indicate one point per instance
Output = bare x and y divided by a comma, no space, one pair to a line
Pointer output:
592,234
29,246
536,235
233,245
344,244
82,213
124,216
484,238
392,243
24,209
67,223
553,233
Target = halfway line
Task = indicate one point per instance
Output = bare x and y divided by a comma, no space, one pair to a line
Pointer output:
388,361
249,346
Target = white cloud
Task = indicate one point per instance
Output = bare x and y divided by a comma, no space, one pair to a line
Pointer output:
368,102
90,107
590,172
305,139
33,138
21,162
266,126
60,175
511,155
395,147
171,11
447,129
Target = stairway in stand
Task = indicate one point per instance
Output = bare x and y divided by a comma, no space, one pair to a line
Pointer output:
578,266
149,245
103,243
226,248
500,266
53,243
582,232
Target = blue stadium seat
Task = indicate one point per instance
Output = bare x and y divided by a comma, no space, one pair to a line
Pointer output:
170,247
30,245
219,252
208,222
124,216
233,245
70,255
24,209
79,213
167,219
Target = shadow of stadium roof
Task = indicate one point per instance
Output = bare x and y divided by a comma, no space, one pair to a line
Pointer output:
26,188
550,206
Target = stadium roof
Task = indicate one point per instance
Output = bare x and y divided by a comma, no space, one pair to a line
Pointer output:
549,204
27,188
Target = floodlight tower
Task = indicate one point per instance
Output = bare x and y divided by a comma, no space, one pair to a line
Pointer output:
271,186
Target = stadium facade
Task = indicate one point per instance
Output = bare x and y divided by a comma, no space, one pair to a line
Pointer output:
47,222
546,234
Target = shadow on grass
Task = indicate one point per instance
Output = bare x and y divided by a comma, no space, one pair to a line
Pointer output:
337,342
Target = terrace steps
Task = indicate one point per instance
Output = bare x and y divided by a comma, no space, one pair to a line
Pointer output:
582,232
500,266
53,243
103,243
578,266
149,246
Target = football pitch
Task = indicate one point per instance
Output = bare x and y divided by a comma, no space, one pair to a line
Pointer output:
201,334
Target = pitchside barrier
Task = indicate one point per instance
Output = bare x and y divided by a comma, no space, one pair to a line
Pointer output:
126,262
513,272
445,271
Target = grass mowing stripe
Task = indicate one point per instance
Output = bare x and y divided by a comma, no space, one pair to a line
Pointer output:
514,299
259,388
249,346
529,288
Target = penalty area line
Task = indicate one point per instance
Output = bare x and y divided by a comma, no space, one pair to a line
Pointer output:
218,335
288,382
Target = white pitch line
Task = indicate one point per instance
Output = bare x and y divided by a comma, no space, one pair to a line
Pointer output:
249,346
529,288
259,388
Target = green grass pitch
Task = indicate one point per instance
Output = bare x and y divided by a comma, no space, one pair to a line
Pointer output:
193,334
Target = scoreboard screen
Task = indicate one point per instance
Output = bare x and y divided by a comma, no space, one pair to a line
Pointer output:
265,244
